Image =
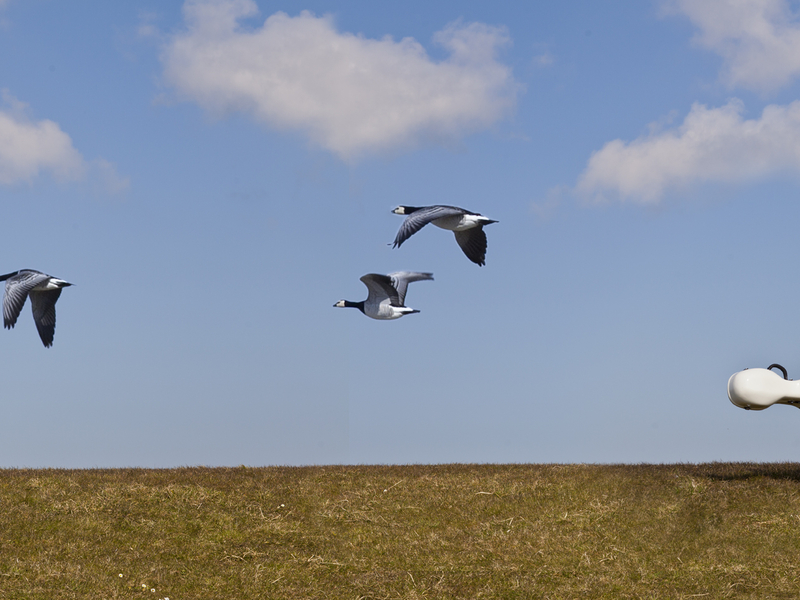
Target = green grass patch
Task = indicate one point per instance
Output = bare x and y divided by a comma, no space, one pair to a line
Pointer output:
448,531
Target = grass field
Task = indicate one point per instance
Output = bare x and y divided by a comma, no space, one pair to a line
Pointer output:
449,531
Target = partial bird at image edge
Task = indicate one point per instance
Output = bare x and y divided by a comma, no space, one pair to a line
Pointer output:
43,290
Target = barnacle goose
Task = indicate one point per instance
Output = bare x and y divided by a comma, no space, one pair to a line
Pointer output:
467,227
43,290
387,294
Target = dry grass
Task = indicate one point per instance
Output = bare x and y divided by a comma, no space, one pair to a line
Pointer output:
449,531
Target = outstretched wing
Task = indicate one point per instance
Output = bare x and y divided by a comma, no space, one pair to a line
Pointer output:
421,217
401,279
17,289
473,243
381,288
43,305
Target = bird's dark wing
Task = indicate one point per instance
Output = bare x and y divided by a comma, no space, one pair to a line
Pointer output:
401,279
43,305
473,243
421,217
380,288
17,288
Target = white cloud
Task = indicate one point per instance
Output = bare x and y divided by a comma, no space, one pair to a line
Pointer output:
759,39
28,148
711,145
347,93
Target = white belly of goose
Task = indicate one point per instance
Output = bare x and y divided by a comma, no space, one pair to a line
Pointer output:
50,284
385,311
458,222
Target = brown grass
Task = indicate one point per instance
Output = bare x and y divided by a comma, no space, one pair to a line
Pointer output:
449,531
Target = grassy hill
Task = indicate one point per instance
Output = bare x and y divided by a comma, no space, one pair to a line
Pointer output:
449,531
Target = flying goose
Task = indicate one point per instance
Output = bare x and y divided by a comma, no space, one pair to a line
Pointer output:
387,294
467,226
44,291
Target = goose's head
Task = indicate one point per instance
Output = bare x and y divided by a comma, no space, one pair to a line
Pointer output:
400,210
341,304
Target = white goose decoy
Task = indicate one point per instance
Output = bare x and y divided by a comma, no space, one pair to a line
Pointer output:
43,290
467,227
387,294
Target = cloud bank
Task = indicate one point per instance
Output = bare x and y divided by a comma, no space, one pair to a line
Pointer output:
347,93
759,39
29,148
711,145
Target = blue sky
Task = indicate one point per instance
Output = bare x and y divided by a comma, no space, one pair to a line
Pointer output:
214,174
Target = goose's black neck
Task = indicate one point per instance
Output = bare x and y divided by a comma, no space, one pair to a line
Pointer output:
358,305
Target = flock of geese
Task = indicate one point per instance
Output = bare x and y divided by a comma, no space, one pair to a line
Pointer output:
387,293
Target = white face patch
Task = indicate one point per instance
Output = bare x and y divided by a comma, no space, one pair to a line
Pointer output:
399,210
339,304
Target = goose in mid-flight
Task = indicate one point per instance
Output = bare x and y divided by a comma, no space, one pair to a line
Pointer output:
43,290
467,227
387,295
